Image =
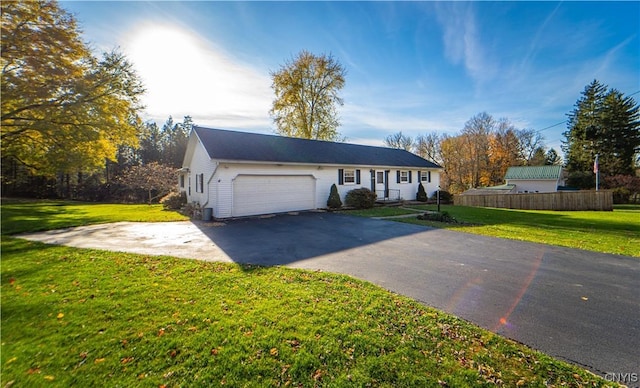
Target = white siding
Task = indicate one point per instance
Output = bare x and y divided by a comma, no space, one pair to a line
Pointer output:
534,186
199,164
222,183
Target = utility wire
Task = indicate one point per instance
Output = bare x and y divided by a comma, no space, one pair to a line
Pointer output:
551,126
562,122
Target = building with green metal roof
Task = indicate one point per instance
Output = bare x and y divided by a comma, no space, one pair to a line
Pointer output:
526,179
535,179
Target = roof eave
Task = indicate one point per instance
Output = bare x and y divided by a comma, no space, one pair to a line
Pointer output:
280,163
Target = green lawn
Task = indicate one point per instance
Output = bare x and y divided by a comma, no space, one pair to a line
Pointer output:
615,232
29,216
380,212
73,317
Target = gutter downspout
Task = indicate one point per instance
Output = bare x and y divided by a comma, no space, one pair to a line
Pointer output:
209,182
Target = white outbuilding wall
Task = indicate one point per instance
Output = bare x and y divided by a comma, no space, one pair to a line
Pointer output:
534,185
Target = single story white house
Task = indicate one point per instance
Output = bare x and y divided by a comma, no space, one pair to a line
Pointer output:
239,174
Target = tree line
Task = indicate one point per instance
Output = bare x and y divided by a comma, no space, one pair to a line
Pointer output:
71,125
480,154
604,122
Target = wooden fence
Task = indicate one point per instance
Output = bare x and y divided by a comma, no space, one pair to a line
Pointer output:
561,200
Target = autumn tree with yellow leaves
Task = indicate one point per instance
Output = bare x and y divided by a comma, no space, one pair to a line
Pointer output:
63,110
485,148
307,95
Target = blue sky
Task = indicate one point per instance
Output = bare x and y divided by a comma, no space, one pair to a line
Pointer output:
415,67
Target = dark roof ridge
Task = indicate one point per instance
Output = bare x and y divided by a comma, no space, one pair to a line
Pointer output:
295,138
250,146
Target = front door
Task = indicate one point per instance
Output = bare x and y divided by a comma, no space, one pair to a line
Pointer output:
381,180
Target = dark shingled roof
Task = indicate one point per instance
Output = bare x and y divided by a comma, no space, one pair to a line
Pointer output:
233,145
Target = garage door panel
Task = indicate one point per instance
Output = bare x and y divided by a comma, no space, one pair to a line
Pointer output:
261,194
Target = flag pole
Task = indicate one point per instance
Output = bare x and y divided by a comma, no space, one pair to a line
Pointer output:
596,169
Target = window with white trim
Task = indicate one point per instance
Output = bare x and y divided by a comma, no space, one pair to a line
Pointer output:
349,177
425,176
404,176
200,183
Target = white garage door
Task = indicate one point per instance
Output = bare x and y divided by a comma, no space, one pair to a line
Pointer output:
262,194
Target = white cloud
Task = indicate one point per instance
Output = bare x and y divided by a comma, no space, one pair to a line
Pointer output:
462,39
187,75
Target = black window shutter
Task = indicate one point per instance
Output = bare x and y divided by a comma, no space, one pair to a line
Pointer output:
341,176
410,176
357,177
398,176
429,176
418,177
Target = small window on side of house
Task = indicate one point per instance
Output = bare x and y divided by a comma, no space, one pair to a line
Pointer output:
182,181
404,176
349,177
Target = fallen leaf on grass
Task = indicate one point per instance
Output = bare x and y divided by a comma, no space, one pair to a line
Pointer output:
49,378
274,352
60,315
98,360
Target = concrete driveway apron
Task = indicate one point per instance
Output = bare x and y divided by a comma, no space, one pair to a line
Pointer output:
579,306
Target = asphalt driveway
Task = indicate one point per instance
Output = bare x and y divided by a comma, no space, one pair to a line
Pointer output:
579,306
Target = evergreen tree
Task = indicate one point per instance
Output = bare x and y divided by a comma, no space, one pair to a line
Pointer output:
552,158
176,138
606,123
620,139
539,157
334,201
151,143
422,194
